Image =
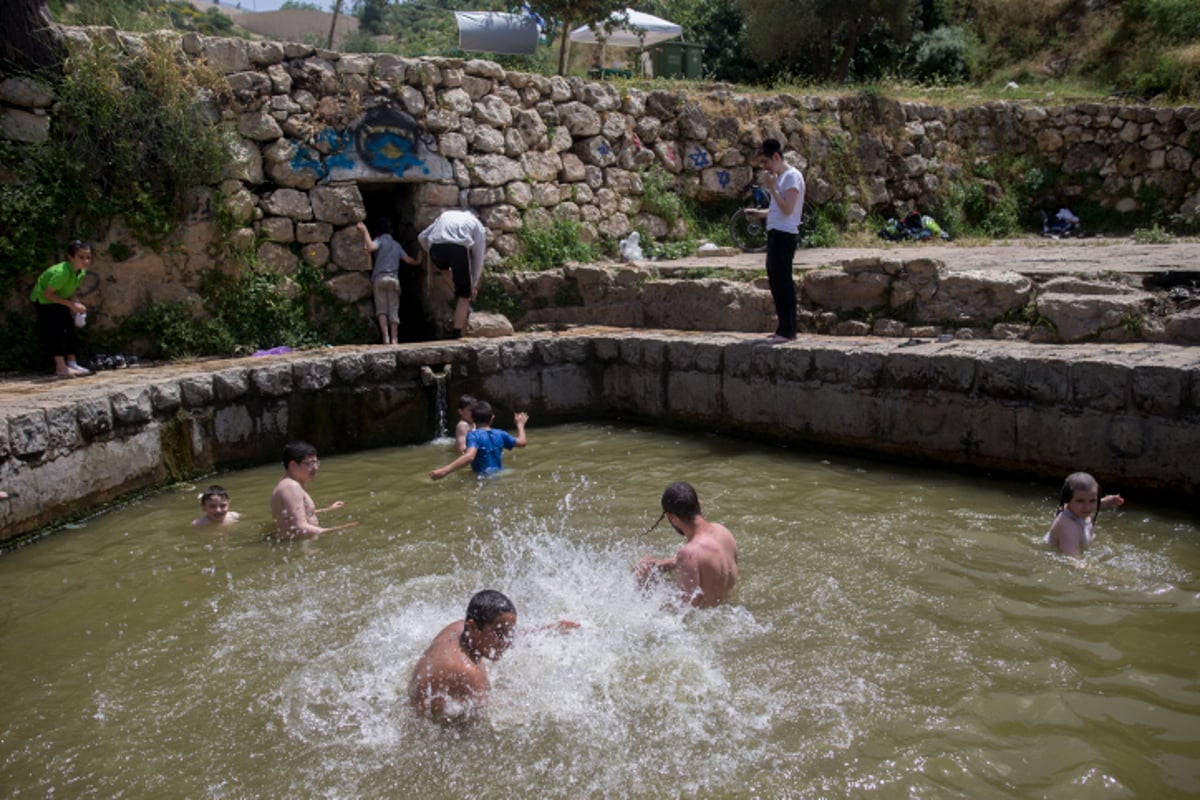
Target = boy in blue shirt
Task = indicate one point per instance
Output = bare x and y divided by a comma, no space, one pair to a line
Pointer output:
485,447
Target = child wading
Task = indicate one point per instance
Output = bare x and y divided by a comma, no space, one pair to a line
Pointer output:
1078,502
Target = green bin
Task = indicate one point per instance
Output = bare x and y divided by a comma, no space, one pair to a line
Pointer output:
677,60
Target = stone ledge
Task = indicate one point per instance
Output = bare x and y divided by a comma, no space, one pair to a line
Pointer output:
1129,413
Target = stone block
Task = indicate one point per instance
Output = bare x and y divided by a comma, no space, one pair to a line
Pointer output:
1100,385
829,365
166,397
864,368
272,381
133,406
845,291
952,373
231,384
694,396
379,367
312,376
95,419
196,391
62,428
1158,390
520,353
1000,376
350,369
907,370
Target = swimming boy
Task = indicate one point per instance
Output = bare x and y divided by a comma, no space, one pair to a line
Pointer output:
485,447
465,423
705,568
450,682
215,503
292,508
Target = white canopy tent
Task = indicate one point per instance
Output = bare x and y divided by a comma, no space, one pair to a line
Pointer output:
641,29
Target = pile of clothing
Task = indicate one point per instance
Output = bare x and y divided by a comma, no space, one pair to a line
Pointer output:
1064,223
915,227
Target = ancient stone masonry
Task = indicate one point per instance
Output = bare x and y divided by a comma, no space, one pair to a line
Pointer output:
315,135
1130,413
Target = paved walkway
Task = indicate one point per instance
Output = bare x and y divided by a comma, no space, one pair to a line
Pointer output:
1031,256
1028,256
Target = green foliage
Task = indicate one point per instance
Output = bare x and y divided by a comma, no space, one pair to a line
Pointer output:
143,15
238,315
128,141
653,248
821,232
943,55
661,197
1152,235
493,298
550,245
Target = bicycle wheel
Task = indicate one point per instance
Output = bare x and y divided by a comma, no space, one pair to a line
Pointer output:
749,234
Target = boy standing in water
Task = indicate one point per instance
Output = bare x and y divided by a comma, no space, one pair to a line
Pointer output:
465,423
1078,503
215,502
705,568
450,682
292,508
485,447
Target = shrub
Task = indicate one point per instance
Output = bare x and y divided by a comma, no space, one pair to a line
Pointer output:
550,245
942,55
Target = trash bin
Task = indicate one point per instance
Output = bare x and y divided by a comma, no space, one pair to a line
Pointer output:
677,60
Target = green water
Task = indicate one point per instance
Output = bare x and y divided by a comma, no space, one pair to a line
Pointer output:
897,633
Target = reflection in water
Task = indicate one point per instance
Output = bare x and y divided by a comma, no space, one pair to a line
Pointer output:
897,631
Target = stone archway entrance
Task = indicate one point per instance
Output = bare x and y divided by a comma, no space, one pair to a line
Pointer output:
397,202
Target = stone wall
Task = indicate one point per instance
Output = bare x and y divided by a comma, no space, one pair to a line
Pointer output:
1128,413
890,297
316,136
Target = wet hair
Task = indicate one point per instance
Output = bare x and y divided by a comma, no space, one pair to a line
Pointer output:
466,401
487,605
1076,482
680,499
481,413
297,451
76,245
214,491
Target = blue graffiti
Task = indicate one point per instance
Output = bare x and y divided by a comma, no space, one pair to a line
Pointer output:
698,157
724,178
603,149
384,140
388,150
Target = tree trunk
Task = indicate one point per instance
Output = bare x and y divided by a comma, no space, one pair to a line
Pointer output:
848,50
337,10
562,50
31,39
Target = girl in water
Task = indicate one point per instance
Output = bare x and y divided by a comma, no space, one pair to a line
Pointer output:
1078,503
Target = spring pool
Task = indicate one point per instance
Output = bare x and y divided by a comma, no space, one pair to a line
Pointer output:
898,632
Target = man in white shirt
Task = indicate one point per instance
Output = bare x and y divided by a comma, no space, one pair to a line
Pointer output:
456,243
785,184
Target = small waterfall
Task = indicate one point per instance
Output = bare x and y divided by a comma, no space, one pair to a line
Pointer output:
441,405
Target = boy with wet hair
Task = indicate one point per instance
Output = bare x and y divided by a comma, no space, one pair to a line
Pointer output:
215,503
466,423
705,568
485,446
292,508
449,683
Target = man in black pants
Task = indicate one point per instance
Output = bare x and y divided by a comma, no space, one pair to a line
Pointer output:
457,242
785,184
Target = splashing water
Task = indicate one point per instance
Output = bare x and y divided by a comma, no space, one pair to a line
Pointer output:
898,632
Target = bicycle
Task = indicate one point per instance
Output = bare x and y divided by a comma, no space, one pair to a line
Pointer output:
749,233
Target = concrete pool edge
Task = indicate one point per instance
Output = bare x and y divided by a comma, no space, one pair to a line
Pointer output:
1129,413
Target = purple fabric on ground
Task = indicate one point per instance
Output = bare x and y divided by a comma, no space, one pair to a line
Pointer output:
274,351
